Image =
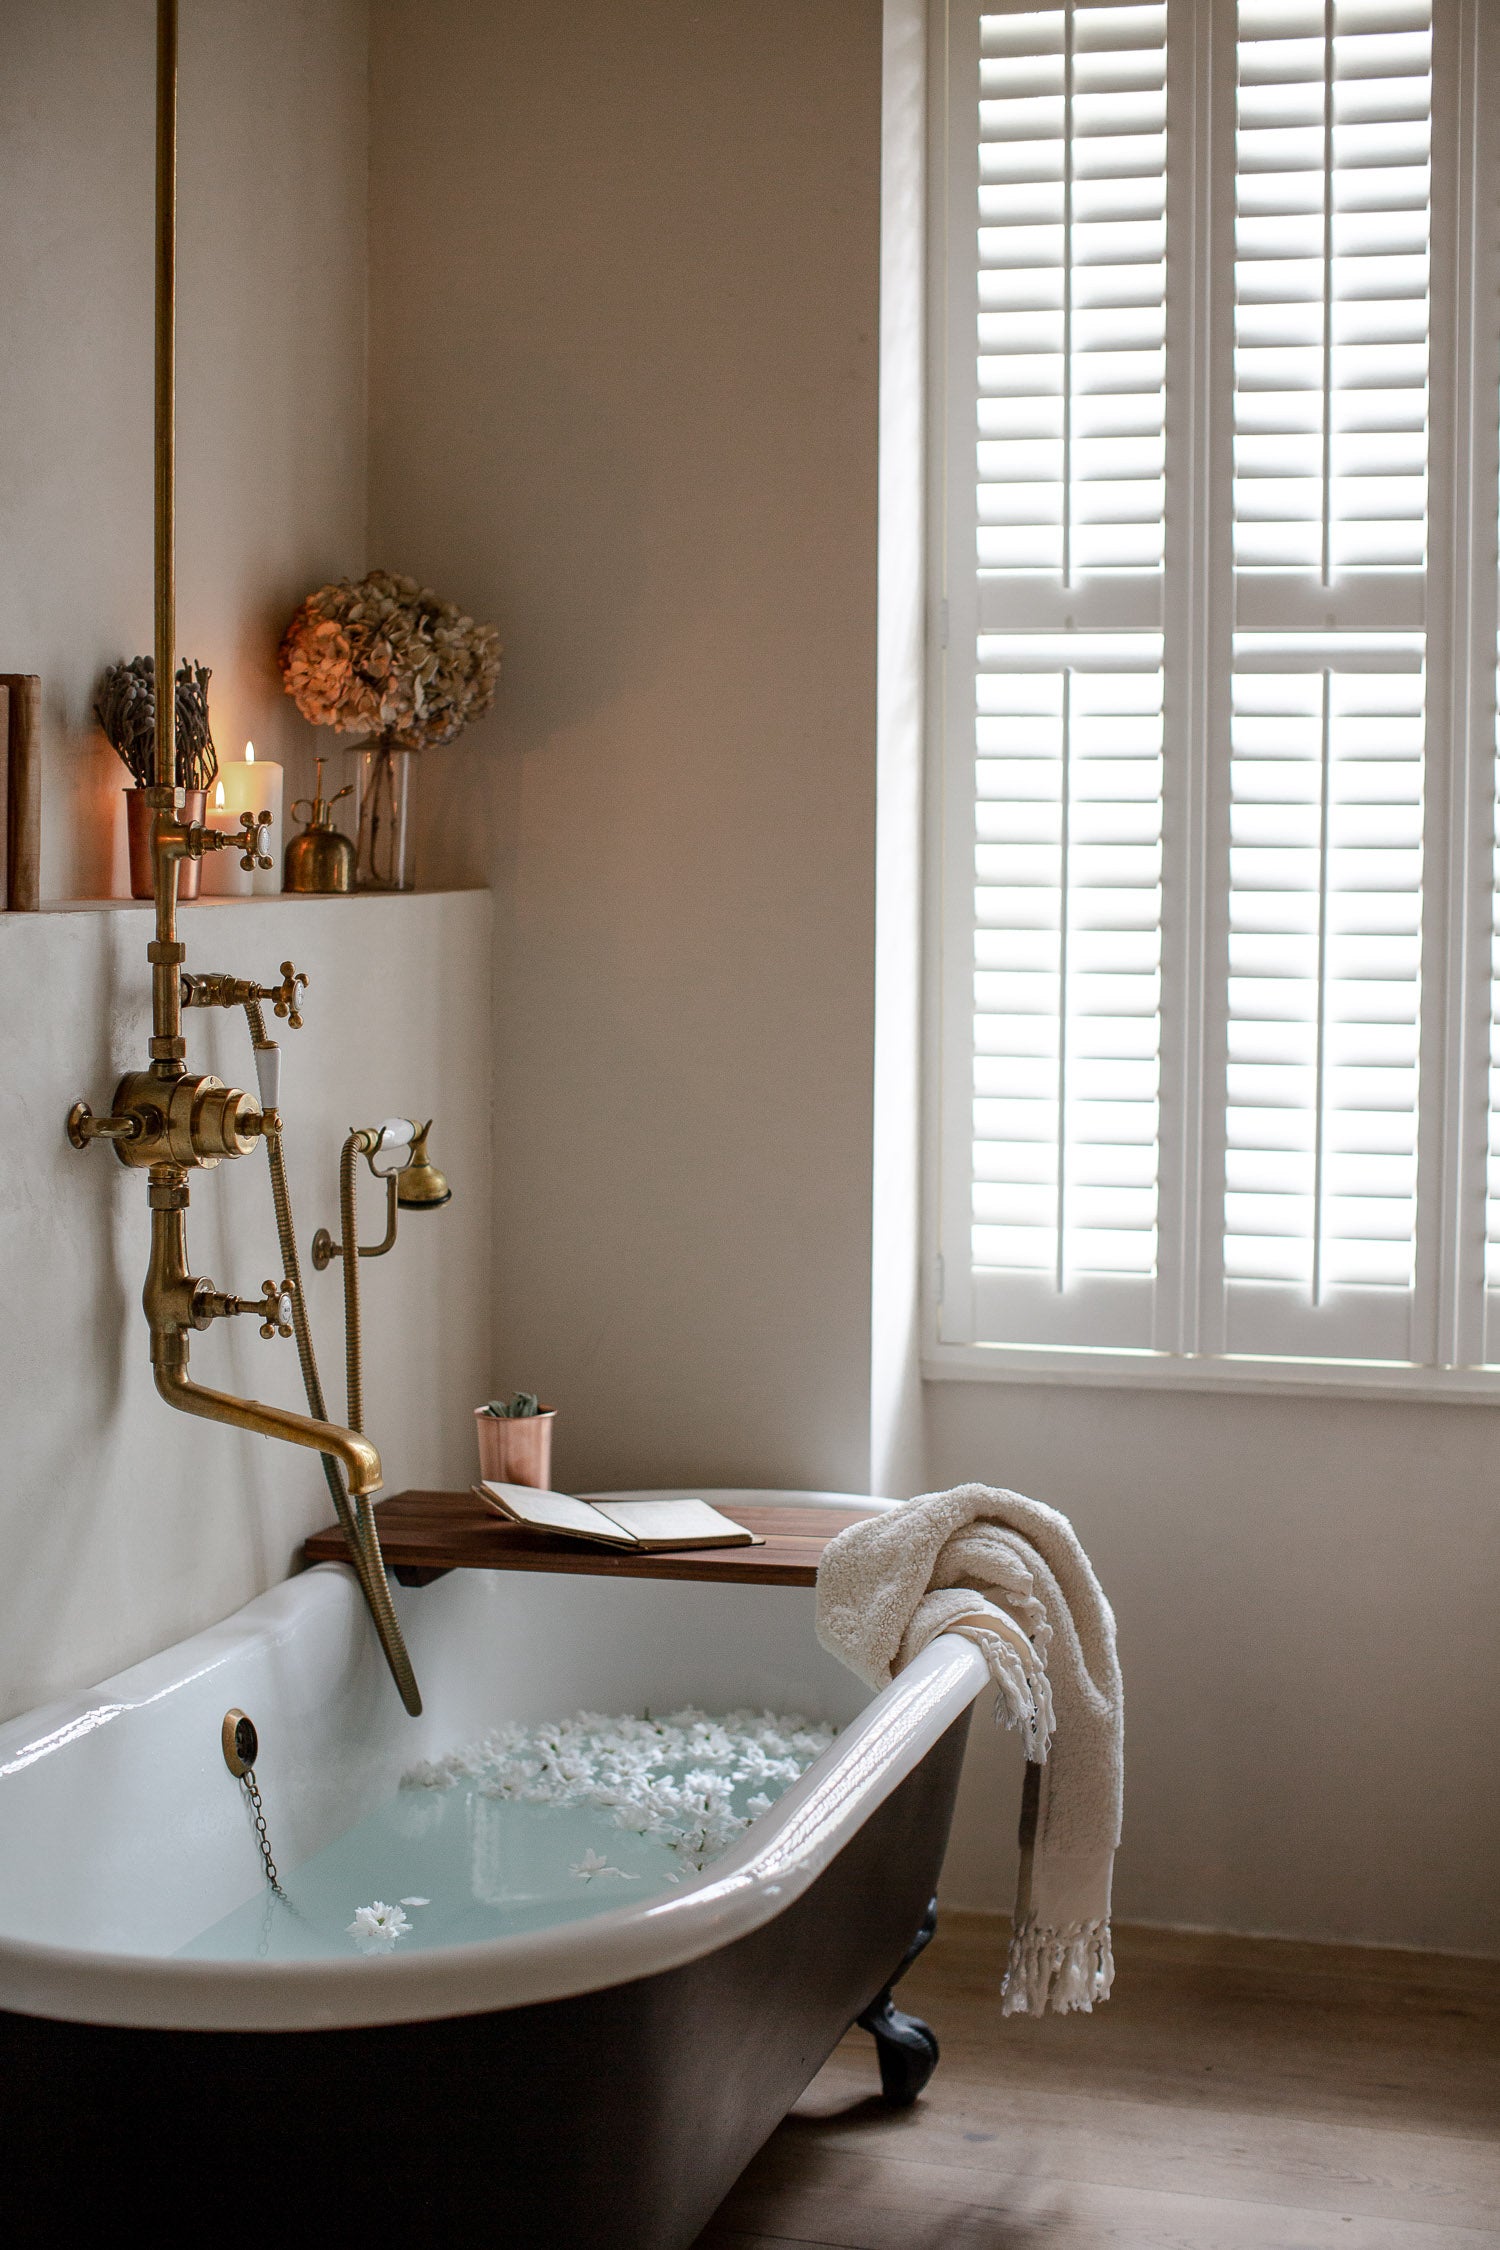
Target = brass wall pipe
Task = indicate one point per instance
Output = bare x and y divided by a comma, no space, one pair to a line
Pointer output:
167,1122
166,408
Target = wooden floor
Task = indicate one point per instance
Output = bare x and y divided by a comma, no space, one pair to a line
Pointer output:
1234,2094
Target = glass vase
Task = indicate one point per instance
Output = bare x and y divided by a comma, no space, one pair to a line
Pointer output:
384,829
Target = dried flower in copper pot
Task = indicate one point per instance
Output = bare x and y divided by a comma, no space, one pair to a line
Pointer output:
125,708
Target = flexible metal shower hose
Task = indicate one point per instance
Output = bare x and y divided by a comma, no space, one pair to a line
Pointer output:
356,1516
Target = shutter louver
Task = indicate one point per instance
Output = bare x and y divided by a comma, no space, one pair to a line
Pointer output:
1326,780
1067,986
1331,285
1070,516
1072,289
1332,215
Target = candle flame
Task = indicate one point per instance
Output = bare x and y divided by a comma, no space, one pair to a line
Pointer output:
219,798
249,753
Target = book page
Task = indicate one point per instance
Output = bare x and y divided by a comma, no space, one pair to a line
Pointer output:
677,1523
554,1511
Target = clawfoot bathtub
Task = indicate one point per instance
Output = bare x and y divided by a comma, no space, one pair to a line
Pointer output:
596,2083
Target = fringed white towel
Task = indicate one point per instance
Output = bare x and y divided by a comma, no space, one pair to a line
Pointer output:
890,1585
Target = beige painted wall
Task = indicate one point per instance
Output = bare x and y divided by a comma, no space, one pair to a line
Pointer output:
271,365
1306,1594
623,392
623,399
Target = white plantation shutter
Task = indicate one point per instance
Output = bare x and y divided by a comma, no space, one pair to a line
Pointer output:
1067,984
1208,940
1065,721
1324,991
1332,290
1332,212
1072,289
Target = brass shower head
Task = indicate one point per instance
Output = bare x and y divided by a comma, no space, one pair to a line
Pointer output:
419,1184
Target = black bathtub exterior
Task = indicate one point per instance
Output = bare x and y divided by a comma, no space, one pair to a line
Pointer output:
614,2121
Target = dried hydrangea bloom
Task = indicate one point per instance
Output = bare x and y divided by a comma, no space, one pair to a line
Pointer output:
383,655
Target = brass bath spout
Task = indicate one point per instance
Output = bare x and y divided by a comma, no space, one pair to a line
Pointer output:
176,1303
356,1455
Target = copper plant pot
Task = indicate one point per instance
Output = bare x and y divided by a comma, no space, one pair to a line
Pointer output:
193,803
516,1448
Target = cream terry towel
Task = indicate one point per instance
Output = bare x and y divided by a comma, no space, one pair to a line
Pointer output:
890,1585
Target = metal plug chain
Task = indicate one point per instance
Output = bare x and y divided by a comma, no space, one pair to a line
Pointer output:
262,1837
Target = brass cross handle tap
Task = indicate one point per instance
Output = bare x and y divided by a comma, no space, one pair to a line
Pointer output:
276,1307
284,997
255,842
217,991
273,1306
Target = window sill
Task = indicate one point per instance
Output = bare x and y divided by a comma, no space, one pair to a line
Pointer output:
1165,1371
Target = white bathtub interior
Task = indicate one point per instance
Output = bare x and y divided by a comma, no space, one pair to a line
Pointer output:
121,1829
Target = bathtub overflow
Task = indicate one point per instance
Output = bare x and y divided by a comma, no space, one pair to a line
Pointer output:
241,1743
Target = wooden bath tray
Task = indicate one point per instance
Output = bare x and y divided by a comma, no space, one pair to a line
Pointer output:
424,1534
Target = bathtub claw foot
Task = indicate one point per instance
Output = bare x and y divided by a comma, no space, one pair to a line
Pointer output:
905,2046
907,2050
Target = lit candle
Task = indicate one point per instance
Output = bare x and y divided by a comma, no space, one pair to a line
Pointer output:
223,876
254,786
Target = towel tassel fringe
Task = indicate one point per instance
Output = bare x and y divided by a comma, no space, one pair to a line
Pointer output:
1057,1970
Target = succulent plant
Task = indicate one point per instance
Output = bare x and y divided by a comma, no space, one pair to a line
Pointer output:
514,1409
125,708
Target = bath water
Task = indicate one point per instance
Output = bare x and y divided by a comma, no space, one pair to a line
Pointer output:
535,1825
486,1867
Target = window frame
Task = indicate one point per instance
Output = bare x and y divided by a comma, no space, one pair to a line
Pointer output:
1452,1308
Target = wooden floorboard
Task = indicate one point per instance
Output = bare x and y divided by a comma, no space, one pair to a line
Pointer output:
1234,2094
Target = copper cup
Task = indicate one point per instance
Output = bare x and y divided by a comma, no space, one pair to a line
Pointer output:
192,803
516,1448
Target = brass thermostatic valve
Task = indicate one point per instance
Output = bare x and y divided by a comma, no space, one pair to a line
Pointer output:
192,1122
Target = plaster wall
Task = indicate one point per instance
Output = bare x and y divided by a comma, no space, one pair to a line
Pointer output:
1306,1600
271,367
122,1525
623,401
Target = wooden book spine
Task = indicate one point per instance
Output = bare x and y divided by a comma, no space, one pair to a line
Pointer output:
23,792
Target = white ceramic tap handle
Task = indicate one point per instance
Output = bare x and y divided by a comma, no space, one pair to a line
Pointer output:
268,1075
394,1144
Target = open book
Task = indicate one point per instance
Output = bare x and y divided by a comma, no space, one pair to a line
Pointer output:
651,1526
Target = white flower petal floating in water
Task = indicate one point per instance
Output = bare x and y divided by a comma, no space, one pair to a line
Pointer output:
376,1928
680,1778
416,1902
595,1863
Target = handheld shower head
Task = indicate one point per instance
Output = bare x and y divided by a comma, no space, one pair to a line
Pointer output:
420,1186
